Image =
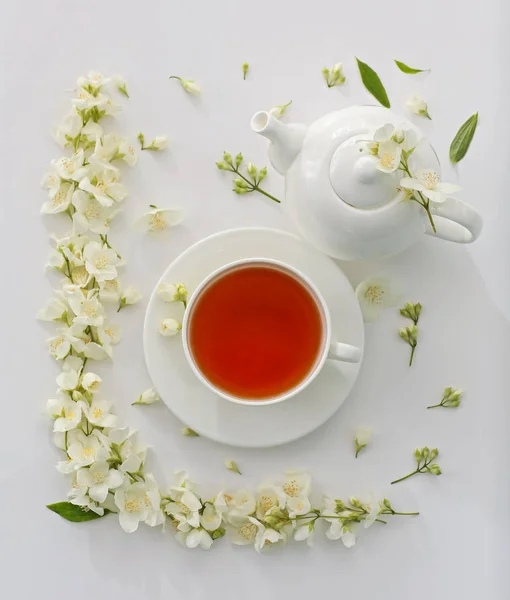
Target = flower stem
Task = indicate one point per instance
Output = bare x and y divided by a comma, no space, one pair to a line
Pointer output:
406,476
257,189
413,348
254,187
435,405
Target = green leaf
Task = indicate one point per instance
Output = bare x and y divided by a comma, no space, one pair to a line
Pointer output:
373,84
462,140
409,70
74,513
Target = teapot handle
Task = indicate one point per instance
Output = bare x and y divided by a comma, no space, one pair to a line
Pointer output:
457,222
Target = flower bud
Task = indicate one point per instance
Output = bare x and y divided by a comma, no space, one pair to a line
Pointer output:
252,170
355,502
239,159
387,504
240,183
339,506
434,469
227,157
222,166
325,74
418,454
425,452
417,310
262,174
218,533
404,333
433,453
399,136
246,67
454,395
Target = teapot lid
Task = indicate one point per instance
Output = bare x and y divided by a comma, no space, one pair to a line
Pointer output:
355,178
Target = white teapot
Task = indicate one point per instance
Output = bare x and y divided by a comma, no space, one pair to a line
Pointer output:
339,199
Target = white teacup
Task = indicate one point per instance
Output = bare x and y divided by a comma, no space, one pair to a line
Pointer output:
329,350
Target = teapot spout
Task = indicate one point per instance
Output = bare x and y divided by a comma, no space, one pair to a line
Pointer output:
287,139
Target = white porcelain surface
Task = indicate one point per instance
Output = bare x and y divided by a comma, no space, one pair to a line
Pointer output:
246,425
330,350
337,198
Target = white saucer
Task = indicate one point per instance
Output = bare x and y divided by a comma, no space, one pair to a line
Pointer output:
217,418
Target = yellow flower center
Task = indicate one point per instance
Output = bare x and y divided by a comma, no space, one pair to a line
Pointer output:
58,199
88,453
101,262
156,222
291,488
98,477
93,211
132,506
374,294
430,179
111,285
266,503
69,414
80,276
248,531
184,509
67,165
56,343
387,160
109,332
90,311
101,186
97,413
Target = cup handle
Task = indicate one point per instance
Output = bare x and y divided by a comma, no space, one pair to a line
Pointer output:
456,222
344,352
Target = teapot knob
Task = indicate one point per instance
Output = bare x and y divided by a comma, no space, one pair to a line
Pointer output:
355,178
365,169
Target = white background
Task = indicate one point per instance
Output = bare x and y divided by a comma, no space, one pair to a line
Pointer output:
459,546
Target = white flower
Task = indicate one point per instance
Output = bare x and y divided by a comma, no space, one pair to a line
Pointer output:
266,538
105,188
305,532
210,519
279,110
148,397
70,376
69,129
245,531
121,85
70,168
98,413
241,504
91,382
296,488
196,537
51,182
88,310
93,80
269,497
59,346
374,294
85,449
90,214
188,84
374,512
109,333
338,530
388,155
55,310
362,438
91,131
159,219
172,292
65,411
169,327
78,495
109,291
100,261
184,510
160,142
417,105
99,478
363,435
134,504
430,185
131,295
60,200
